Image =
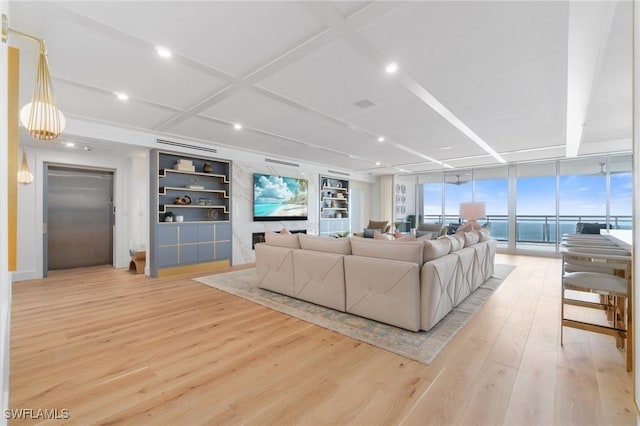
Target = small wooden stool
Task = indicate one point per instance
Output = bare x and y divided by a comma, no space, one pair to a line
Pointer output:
138,261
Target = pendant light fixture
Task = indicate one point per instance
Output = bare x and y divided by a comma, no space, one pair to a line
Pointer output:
25,177
41,117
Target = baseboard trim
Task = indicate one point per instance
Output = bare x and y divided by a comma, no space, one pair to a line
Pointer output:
199,267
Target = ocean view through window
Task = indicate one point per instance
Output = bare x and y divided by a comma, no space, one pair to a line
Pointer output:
549,198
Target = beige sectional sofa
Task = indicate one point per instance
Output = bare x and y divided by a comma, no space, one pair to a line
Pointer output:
408,284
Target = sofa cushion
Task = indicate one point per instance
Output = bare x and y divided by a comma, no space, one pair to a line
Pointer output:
324,244
383,290
405,251
457,242
434,249
282,240
319,278
471,238
274,268
485,234
368,232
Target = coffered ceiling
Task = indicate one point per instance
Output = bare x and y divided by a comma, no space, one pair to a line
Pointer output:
478,82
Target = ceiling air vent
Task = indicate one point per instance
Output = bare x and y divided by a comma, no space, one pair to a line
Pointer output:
286,163
338,173
365,103
185,145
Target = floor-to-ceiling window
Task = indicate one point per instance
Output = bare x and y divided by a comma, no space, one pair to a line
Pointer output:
458,188
432,198
492,187
549,198
583,193
535,218
621,192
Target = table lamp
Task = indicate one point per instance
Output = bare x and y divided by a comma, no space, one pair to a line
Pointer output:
471,211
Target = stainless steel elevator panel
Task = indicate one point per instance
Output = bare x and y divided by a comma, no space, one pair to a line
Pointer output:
79,206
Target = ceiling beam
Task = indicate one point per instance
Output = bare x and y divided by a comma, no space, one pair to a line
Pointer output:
589,28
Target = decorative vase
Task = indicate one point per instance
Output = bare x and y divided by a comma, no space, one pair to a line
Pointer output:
207,168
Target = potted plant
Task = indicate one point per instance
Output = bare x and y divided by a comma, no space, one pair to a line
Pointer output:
168,217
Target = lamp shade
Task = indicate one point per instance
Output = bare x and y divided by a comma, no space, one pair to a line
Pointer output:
25,177
43,120
472,210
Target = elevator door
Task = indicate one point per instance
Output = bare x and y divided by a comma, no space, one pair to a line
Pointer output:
78,217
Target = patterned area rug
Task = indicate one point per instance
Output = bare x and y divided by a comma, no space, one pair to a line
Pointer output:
422,346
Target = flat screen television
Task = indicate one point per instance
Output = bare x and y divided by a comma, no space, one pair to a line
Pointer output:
278,198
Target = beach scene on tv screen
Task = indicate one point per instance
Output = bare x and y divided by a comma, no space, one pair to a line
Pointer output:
276,196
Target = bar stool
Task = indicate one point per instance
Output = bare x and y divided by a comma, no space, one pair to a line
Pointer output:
607,275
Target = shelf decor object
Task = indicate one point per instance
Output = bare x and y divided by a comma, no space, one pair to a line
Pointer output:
199,237
334,207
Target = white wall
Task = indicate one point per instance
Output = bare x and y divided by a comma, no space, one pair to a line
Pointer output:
408,183
130,200
131,193
5,276
360,200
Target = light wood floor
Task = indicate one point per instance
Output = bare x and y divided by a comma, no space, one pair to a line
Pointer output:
113,347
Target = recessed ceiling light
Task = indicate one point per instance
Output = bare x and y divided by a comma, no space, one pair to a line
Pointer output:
121,96
86,148
237,126
69,144
391,68
163,52
381,139
377,163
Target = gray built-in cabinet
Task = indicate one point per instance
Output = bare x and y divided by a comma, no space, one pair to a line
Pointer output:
200,197
334,206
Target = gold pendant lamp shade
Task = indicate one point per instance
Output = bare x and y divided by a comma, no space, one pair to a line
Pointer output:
42,117
25,177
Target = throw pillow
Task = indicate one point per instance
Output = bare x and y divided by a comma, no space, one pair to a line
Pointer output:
434,249
404,237
285,231
428,234
325,244
275,239
368,232
377,235
471,238
457,241
485,234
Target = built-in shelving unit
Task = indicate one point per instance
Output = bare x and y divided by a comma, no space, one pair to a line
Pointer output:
334,206
197,235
